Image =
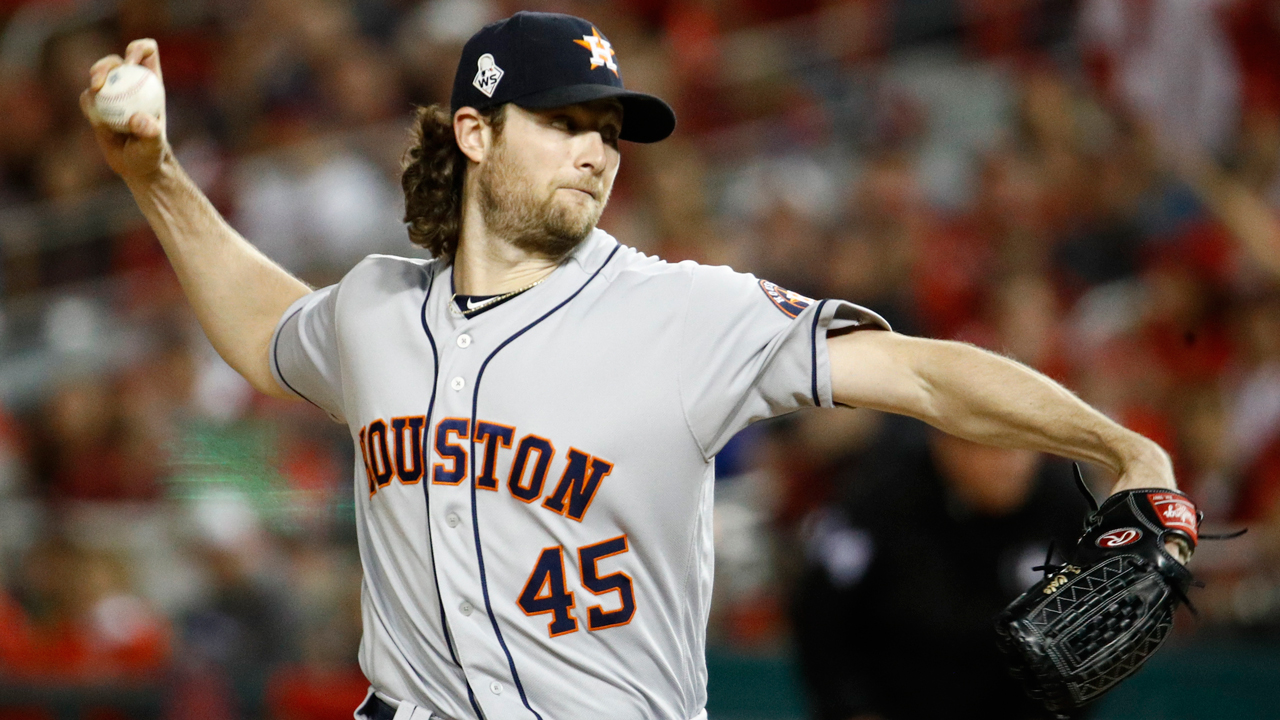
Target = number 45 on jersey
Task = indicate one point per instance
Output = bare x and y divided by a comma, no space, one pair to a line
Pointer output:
545,591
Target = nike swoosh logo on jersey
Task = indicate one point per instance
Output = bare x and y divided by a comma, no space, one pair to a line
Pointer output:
471,304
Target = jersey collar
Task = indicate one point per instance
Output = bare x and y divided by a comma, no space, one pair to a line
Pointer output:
585,259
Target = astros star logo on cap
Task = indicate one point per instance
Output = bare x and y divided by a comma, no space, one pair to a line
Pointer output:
601,50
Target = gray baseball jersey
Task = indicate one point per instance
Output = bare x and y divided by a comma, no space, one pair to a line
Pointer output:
534,483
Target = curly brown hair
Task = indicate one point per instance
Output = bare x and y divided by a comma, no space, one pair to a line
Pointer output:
433,170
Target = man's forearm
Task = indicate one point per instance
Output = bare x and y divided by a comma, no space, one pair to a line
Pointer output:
981,396
987,398
238,294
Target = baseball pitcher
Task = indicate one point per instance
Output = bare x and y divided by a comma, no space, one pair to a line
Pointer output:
536,409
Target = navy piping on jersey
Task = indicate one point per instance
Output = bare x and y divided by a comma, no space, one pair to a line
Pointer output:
813,354
275,357
475,517
426,491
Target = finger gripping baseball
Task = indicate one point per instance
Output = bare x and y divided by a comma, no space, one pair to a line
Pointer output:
1094,621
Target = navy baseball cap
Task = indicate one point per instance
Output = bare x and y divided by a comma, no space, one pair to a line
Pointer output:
546,60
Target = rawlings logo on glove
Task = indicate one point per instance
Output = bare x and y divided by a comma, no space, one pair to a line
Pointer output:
1118,538
1176,512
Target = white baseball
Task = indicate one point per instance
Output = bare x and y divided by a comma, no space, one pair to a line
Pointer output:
129,89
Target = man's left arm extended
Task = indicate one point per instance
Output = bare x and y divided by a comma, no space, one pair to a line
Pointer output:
984,397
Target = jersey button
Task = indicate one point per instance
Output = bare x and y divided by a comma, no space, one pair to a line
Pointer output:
464,340
465,608
457,383
452,520
495,687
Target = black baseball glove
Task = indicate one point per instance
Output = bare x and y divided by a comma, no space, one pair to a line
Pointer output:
1094,621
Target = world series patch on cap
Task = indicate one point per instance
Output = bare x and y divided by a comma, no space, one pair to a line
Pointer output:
547,60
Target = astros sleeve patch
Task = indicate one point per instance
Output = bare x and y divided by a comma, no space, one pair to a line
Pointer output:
790,303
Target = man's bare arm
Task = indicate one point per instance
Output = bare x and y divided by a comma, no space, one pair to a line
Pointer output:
986,398
238,294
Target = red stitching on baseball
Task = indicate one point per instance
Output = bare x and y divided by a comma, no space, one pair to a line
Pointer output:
122,95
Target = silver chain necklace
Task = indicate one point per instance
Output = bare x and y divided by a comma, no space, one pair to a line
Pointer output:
477,307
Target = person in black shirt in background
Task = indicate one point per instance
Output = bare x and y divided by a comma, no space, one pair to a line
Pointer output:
904,574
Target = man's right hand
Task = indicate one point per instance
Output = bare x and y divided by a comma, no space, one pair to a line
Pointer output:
137,155
237,293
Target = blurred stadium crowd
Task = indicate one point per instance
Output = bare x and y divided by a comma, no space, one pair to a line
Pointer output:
1088,186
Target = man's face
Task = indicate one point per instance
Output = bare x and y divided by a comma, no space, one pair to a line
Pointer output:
548,176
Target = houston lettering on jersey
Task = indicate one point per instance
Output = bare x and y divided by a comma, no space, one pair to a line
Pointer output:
398,448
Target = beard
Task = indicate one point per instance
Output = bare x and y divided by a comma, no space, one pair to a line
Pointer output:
539,226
